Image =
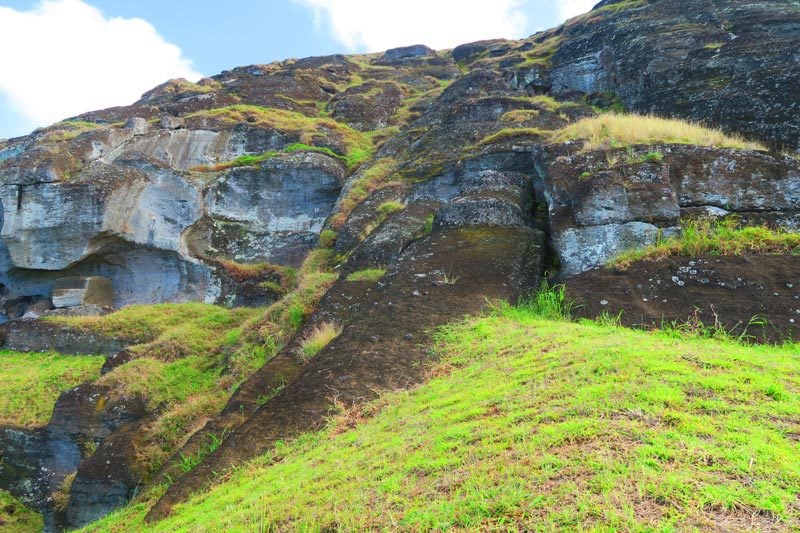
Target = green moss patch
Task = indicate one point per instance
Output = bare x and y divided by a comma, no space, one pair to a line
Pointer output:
369,274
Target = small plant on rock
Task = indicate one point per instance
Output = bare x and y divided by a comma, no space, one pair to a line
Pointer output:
317,339
369,274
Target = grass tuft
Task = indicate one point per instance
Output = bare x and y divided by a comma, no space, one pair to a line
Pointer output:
549,303
513,133
70,129
369,274
317,339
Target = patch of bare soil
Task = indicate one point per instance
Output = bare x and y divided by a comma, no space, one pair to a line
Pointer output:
756,295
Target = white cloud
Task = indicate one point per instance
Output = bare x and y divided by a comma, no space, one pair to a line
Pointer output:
376,25
64,57
571,8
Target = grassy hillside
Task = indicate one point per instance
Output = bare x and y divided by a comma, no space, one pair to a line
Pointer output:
31,383
16,518
536,423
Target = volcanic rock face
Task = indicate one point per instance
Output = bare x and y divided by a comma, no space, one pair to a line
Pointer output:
730,63
603,203
274,213
130,213
436,166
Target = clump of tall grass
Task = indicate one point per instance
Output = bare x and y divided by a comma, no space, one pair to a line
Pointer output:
317,339
548,302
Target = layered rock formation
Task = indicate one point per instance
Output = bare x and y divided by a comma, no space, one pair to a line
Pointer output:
440,167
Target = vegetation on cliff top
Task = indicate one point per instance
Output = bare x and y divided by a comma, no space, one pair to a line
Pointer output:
535,423
69,129
612,130
31,383
312,131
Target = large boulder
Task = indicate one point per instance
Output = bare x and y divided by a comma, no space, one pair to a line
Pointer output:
77,291
272,212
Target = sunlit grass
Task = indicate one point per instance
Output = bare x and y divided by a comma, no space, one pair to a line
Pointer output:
31,383
16,518
612,130
368,274
529,423
191,357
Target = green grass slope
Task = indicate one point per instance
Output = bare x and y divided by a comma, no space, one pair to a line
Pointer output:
16,518
538,424
31,383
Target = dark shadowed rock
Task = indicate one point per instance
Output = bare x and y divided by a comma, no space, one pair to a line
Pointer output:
30,335
758,297
730,63
77,291
105,480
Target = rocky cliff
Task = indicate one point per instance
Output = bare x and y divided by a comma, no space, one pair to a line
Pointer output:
465,174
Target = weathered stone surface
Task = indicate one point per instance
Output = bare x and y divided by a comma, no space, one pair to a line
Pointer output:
731,63
408,52
77,291
105,480
273,212
465,52
38,308
181,149
367,107
603,203
79,310
137,125
43,336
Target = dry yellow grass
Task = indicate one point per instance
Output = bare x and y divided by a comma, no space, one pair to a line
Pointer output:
317,339
613,130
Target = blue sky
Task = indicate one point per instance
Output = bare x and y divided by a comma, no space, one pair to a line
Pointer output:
71,56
